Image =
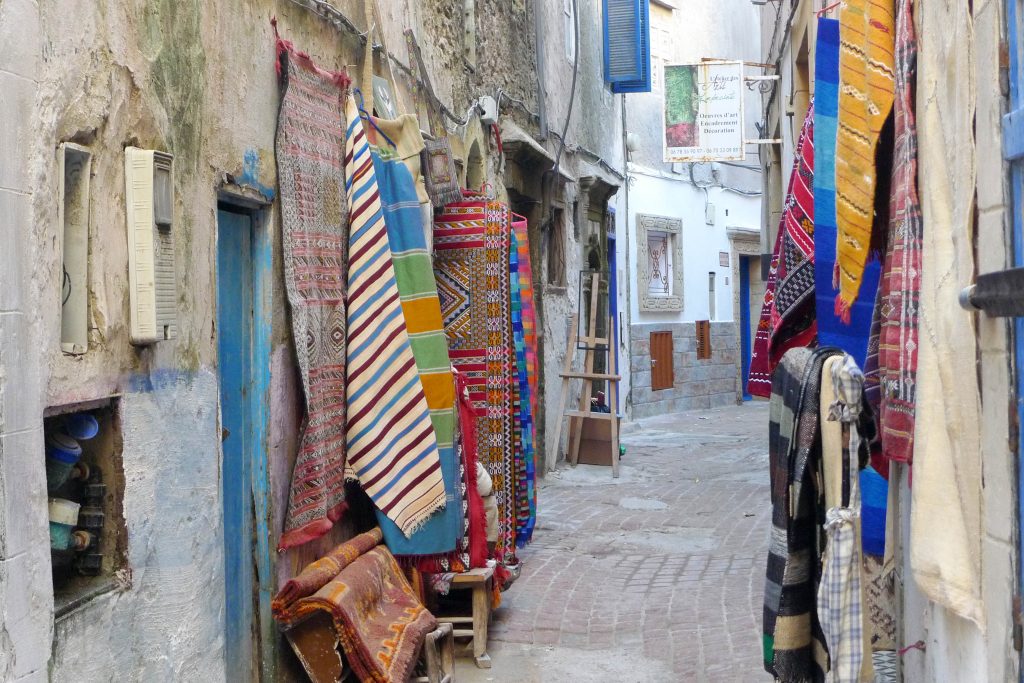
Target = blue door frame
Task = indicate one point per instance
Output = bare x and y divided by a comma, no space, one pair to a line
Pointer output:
1013,151
244,270
745,323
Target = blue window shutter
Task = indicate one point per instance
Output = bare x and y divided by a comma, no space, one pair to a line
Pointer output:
627,45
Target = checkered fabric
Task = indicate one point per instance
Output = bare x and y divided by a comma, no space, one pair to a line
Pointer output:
839,593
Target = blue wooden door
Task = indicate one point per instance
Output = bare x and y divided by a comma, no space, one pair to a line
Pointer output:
613,304
745,349
235,345
1013,151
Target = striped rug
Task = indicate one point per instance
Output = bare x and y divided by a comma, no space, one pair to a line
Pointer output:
392,448
417,290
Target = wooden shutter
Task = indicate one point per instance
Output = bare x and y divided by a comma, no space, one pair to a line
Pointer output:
627,45
662,372
703,340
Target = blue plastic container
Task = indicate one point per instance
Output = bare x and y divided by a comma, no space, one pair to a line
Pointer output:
81,426
62,452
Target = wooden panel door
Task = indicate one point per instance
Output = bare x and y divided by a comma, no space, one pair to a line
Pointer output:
662,372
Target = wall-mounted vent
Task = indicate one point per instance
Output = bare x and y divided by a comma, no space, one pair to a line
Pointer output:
150,202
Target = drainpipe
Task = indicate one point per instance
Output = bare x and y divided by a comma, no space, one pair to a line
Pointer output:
627,400
538,40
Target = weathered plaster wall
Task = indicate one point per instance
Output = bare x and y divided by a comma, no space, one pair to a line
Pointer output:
168,625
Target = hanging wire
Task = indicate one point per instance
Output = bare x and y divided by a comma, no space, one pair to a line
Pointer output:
65,284
334,16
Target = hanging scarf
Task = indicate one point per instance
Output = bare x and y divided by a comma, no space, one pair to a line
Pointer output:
866,90
901,278
793,643
787,315
852,333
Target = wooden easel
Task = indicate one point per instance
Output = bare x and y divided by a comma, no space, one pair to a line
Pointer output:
588,376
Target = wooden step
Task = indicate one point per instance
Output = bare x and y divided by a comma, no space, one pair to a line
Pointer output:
595,415
590,375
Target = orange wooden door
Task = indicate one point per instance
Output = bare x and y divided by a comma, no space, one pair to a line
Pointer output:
662,372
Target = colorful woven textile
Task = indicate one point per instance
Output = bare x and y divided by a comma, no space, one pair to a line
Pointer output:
471,262
901,276
520,227
417,290
529,317
787,315
524,453
318,574
794,647
850,335
392,448
309,150
380,622
866,89
474,541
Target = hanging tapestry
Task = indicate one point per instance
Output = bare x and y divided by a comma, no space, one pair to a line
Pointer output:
524,452
901,277
794,648
787,315
309,150
392,448
380,622
520,226
848,331
417,290
866,91
471,262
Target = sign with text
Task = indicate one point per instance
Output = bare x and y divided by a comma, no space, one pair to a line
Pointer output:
704,112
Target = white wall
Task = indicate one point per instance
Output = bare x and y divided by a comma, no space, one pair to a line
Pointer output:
655,193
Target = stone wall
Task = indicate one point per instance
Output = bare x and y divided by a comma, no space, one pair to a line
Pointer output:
698,384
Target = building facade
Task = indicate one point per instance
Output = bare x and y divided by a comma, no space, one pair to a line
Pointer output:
197,82
705,215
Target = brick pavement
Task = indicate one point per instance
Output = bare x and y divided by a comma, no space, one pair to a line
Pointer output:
656,576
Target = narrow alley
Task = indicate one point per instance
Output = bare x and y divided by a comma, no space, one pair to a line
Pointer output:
655,576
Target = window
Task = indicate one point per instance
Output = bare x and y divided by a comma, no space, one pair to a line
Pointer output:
570,29
660,262
556,250
627,45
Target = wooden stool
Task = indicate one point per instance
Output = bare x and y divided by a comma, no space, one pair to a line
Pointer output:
480,582
315,643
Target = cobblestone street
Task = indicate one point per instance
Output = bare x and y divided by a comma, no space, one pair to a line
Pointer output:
656,576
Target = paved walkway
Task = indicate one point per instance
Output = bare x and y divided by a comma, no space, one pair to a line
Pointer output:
655,576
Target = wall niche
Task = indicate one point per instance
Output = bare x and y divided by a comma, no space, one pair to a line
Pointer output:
85,489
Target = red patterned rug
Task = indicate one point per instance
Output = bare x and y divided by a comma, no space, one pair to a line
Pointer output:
472,266
380,621
310,151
